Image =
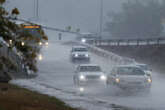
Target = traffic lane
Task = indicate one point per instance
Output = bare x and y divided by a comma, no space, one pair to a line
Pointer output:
60,74
155,100
141,100
57,70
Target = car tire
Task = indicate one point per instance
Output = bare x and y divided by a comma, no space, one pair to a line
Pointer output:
76,82
107,82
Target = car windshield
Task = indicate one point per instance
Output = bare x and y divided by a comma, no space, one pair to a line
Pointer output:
144,67
90,68
80,49
129,71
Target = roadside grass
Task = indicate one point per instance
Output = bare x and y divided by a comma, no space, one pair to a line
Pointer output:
15,98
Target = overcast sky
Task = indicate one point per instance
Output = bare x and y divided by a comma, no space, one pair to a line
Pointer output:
83,14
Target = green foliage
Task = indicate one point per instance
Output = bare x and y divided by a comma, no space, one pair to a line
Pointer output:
137,18
68,28
2,1
8,64
15,11
0,45
1,66
17,33
44,36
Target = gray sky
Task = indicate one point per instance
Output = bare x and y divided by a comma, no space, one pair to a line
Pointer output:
83,14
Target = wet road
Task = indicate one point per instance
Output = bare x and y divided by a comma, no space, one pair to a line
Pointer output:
56,71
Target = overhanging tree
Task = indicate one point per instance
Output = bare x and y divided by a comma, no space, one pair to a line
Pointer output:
11,31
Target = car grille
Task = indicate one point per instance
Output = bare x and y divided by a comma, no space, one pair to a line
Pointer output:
81,55
136,82
92,77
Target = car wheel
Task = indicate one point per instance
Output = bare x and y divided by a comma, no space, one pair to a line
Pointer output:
107,82
76,82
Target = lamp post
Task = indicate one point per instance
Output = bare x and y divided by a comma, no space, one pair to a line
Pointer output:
101,19
36,9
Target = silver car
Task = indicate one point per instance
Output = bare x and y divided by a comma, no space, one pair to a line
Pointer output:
80,53
87,74
129,77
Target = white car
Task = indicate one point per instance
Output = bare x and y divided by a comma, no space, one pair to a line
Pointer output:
129,77
80,53
87,74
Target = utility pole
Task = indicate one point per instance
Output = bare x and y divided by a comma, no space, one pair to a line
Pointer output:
36,9
101,19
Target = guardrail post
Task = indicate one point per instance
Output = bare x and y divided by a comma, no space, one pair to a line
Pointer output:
148,41
128,42
158,41
118,42
138,42
109,42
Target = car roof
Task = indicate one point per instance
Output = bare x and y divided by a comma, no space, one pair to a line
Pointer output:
133,66
140,64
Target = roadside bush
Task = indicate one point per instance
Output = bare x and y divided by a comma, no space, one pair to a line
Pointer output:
15,34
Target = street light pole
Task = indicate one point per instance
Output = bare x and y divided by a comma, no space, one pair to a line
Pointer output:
101,18
37,10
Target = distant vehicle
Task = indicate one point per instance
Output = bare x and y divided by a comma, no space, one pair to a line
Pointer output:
146,69
80,53
129,77
35,30
87,74
87,37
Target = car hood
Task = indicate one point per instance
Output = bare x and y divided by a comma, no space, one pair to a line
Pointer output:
92,73
132,78
148,71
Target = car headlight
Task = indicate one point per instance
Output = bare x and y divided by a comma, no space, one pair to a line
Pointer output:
40,43
22,43
82,77
103,77
10,41
46,43
86,55
40,57
81,89
83,40
117,80
76,55
149,80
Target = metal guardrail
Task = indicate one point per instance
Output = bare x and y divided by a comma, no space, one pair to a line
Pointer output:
106,54
120,42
